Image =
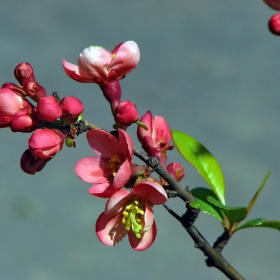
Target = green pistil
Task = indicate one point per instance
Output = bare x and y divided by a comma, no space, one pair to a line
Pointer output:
133,216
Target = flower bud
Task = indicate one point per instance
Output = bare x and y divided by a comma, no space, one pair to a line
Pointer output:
30,165
15,88
34,90
44,143
274,24
71,109
126,114
24,73
48,109
24,120
10,103
176,170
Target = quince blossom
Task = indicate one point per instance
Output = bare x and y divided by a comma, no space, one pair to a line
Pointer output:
112,169
156,140
130,213
98,65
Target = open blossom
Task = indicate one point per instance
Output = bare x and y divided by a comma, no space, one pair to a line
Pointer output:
98,65
111,170
130,213
156,140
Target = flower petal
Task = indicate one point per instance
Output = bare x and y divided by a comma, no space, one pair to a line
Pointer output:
126,58
102,190
109,229
150,191
116,201
122,176
104,144
147,239
73,72
92,169
163,133
126,144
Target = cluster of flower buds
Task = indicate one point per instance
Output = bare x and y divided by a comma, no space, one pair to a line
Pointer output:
18,113
105,68
274,21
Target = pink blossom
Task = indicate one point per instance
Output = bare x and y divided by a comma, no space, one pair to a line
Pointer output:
176,170
112,169
274,4
156,140
274,24
48,109
44,143
130,213
72,107
98,65
126,114
10,103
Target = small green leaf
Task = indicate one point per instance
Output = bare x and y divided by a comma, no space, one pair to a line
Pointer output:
234,214
202,160
203,204
260,222
255,197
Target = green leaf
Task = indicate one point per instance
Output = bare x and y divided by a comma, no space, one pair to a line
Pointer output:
203,204
255,197
234,214
202,160
260,222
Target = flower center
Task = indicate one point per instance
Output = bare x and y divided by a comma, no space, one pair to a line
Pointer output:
114,164
133,216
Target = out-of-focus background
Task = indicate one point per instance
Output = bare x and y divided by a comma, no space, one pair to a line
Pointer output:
211,68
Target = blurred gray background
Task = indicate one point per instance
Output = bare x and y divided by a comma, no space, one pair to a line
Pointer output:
211,68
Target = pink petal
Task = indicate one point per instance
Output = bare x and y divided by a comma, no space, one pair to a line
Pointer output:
163,133
122,176
72,71
94,62
126,59
148,121
104,144
117,200
102,190
109,229
147,239
92,169
150,191
126,144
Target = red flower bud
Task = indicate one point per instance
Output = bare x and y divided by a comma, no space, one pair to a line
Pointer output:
24,120
274,24
71,109
34,90
44,143
24,73
48,109
15,88
10,103
274,4
30,165
126,114
176,170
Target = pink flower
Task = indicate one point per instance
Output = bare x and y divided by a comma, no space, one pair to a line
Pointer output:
126,114
176,170
112,169
48,109
10,103
130,213
44,143
274,4
156,140
72,107
98,65
274,24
